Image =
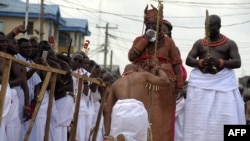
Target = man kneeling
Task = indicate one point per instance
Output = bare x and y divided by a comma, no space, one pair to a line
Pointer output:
125,117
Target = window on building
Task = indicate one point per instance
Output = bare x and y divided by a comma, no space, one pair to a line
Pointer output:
1,26
64,39
30,27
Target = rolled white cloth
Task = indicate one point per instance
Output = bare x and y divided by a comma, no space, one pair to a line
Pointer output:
225,80
130,118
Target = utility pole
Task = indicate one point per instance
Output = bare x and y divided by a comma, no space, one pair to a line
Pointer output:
111,60
41,19
106,46
26,17
107,27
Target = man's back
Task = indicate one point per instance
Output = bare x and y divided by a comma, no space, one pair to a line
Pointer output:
124,102
130,86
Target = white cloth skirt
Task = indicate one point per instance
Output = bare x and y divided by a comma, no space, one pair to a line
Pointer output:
207,110
130,118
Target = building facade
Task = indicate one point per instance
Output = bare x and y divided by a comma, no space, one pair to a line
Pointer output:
47,26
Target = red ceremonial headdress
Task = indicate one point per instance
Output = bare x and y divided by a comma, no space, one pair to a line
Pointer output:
150,16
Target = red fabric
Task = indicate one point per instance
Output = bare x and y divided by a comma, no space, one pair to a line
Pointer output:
151,15
183,72
164,101
32,107
162,59
141,44
85,45
51,40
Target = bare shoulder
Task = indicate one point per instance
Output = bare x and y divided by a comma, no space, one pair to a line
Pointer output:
198,43
196,50
118,83
232,43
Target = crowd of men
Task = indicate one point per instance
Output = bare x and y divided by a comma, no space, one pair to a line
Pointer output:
25,84
150,101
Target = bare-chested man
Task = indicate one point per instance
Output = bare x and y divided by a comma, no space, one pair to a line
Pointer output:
3,48
125,116
23,92
213,98
12,119
7,101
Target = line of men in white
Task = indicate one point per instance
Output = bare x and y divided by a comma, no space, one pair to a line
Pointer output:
14,126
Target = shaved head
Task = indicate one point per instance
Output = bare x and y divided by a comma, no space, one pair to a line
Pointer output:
130,67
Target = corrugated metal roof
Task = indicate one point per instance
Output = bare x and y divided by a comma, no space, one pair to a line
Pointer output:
17,8
75,25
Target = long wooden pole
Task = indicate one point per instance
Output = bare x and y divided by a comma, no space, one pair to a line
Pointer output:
77,106
207,32
159,14
5,78
38,104
50,104
100,112
212,68
50,69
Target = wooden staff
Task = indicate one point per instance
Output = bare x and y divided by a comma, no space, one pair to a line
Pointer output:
212,68
49,69
207,32
159,14
100,112
5,80
50,104
77,106
38,104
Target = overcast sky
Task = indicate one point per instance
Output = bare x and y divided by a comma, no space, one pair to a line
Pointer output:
125,18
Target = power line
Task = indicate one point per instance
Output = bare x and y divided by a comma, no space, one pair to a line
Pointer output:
137,18
209,3
132,17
